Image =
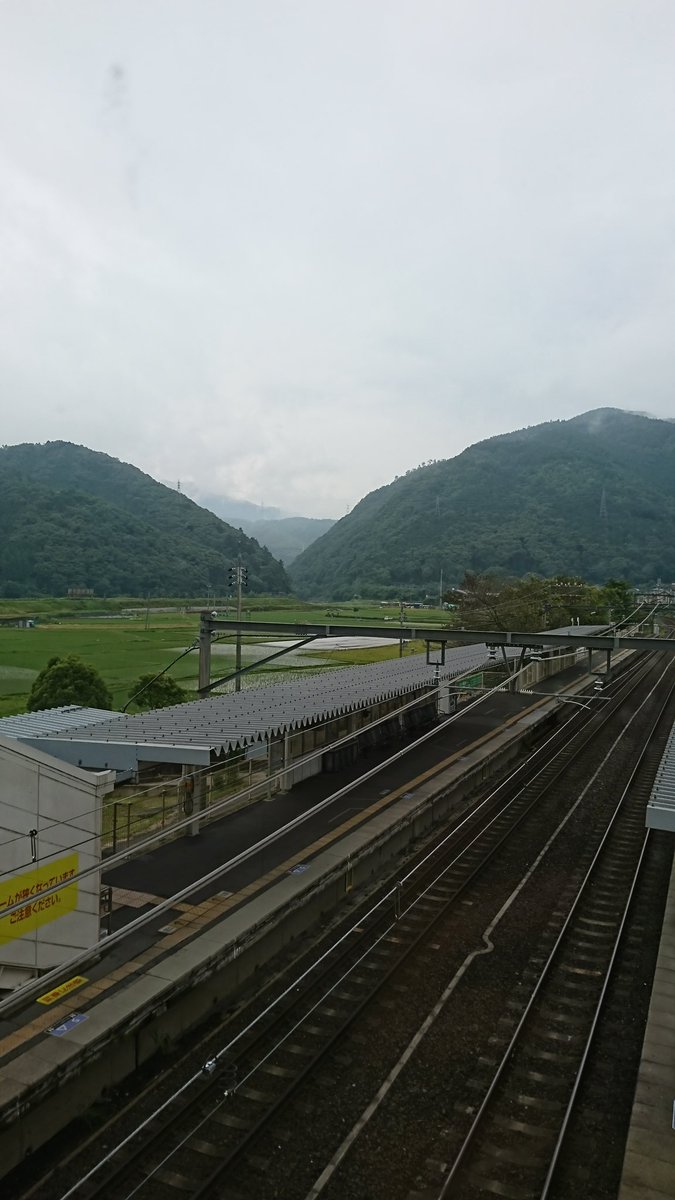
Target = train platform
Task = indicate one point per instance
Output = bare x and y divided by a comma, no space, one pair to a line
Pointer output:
649,1162
90,1030
143,882
94,1026
179,863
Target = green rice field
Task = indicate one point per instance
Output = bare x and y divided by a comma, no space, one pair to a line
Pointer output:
126,639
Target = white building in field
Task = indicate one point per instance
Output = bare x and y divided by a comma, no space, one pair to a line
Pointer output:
50,825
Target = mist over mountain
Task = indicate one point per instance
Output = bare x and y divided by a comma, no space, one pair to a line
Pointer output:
282,533
229,509
287,537
592,496
73,517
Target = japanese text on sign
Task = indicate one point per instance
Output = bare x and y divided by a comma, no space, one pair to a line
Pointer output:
27,891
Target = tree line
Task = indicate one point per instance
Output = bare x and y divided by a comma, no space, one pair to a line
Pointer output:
484,601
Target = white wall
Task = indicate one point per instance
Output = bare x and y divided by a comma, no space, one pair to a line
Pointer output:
63,803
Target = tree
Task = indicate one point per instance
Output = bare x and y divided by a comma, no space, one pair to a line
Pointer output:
618,597
12,590
156,693
68,681
488,601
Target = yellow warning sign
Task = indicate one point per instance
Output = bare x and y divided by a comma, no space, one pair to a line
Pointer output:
62,990
35,908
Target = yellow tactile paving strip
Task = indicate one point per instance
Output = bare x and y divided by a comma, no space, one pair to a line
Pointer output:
125,898
195,918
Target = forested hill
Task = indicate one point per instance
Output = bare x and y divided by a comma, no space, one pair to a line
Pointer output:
73,517
593,496
287,537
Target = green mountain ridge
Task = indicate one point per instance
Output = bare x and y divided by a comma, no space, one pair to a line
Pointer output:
287,537
592,496
70,517
284,535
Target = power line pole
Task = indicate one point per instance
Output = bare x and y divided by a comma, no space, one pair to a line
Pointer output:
238,578
204,654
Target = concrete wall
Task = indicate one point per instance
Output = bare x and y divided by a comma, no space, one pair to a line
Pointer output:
535,672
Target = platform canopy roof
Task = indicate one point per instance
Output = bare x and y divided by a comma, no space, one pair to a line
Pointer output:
48,721
236,720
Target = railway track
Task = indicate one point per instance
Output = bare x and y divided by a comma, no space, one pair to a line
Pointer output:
517,1141
195,1141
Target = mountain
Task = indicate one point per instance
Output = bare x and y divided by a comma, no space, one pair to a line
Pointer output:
234,511
72,517
287,537
593,496
284,536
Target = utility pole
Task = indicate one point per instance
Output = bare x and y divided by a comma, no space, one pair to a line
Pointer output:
204,653
237,658
440,590
238,578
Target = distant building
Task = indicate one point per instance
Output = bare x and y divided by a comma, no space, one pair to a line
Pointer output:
78,592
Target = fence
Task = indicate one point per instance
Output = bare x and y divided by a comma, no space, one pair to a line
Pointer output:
129,819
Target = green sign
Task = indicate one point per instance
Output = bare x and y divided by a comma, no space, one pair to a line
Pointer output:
471,681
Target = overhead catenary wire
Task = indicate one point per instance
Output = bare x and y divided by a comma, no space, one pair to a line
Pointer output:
221,806
159,674
28,990
274,735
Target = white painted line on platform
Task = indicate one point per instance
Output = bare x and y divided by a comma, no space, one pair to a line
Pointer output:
341,815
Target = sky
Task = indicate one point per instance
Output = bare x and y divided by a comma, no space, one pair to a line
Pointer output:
285,250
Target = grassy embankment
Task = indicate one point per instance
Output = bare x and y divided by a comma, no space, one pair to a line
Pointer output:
123,644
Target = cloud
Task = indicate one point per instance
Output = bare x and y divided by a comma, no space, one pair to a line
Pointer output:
290,253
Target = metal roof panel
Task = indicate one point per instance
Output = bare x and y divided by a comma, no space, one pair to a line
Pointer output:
48,721
240,718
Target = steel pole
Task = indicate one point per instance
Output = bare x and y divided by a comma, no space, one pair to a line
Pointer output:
204,653
237,658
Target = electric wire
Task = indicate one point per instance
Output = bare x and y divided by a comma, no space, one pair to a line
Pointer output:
33,987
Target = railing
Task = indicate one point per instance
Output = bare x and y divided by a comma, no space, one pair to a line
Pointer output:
128,820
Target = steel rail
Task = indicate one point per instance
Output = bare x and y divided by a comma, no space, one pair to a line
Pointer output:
550,962
555,1156
227,1050
470,817
369,1112
30,990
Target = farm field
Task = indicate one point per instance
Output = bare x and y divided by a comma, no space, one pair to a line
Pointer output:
130,639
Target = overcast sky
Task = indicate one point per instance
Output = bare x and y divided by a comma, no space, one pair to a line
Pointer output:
288,249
